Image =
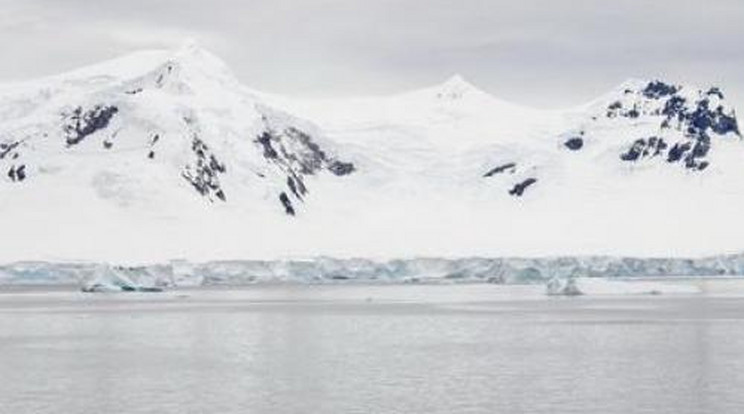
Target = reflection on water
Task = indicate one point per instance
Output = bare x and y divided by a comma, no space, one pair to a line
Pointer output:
373,349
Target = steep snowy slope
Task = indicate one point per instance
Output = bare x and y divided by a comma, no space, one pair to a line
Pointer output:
160,155
461,171
155,137
129,124
456,131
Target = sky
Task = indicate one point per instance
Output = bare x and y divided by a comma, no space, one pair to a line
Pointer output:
543,53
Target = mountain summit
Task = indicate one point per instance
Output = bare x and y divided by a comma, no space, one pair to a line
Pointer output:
164,154
456,87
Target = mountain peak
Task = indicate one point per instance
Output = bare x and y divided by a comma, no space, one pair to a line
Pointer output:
190,53
457,80
194,63
456,87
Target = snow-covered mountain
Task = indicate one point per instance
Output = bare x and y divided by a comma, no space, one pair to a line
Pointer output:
164,154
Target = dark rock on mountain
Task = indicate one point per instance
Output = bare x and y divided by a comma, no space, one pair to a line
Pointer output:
287,203
678,151
658,89
698,122
203,175
6,148
673,108
296,186
17,173
340,168
574,144
296,154
80,123
645,148
268,150
294,149
715,91
511,167
518,189
617,109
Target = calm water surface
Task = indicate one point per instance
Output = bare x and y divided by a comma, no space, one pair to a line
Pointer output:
370,349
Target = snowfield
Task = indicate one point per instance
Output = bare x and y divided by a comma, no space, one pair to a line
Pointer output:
164,154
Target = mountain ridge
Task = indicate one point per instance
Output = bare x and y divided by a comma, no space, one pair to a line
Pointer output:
166,154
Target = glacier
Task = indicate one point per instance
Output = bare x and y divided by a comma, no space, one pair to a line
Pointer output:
182,273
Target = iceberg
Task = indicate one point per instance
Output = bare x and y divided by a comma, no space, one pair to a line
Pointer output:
110,279
563,287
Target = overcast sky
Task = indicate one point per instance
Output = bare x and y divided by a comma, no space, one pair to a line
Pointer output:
547,53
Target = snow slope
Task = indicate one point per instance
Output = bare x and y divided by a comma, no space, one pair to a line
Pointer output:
164,154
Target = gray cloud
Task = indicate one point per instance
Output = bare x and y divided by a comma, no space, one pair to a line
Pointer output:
538,52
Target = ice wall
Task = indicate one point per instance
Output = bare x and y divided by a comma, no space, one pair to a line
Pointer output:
329,270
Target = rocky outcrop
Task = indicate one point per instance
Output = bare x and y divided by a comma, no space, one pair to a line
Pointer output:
203,174
689,121
296,154
508,167
574,144
519,188
81,123
645,148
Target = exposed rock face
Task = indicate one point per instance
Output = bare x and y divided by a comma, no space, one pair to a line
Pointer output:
689,121
657,90
204,173
297,155
645,148
287,203
508,167
340,168
519,188
81,123
17,173
574,144
9,151
296,150
6,148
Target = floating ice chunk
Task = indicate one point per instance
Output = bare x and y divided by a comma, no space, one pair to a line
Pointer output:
108,279
563,287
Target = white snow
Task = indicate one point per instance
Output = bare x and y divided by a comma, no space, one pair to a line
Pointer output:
418,189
